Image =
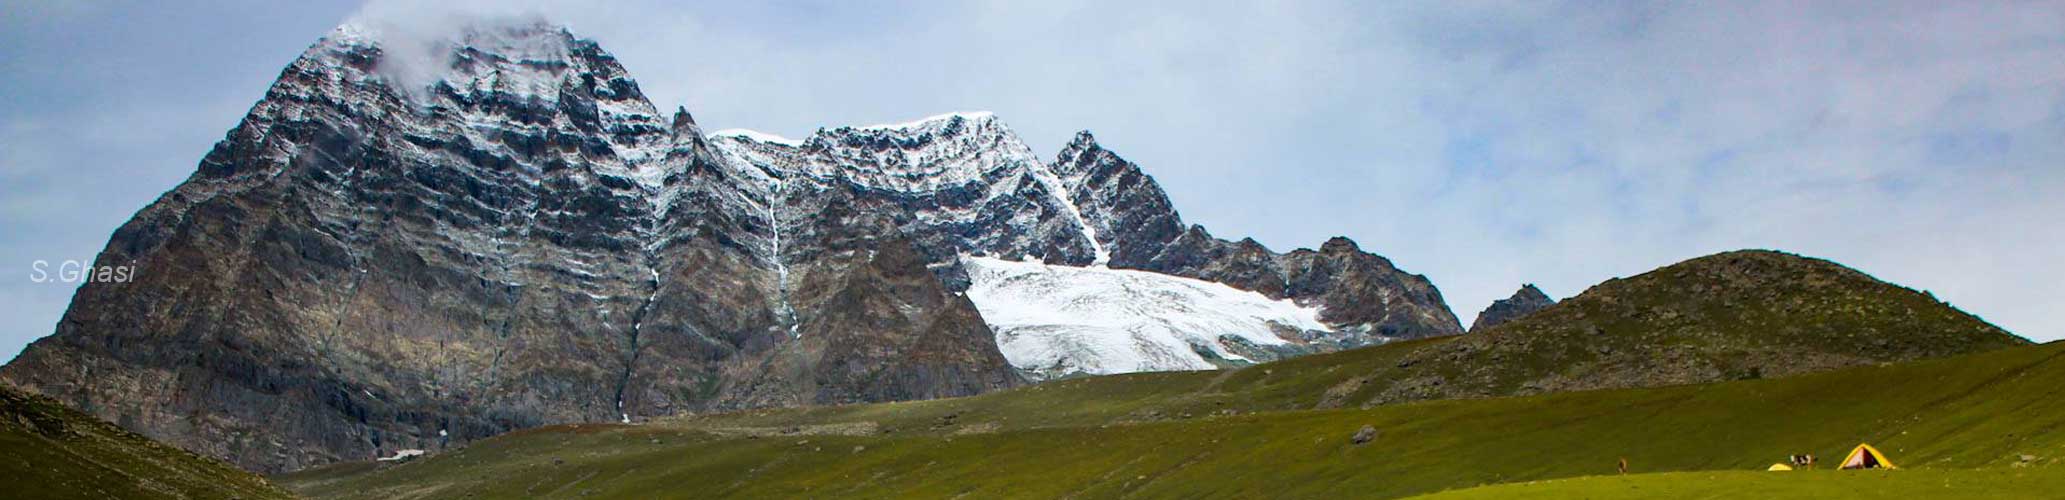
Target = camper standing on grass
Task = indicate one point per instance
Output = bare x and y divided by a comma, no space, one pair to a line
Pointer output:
1803,461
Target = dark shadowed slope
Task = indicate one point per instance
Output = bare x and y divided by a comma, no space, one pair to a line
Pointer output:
50,451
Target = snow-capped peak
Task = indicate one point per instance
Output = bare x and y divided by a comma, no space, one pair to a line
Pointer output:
503,73
758,136
954,154
414,23
921,122
518,55
1083,138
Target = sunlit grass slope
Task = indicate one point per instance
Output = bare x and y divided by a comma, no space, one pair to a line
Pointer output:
1166,435
2034,483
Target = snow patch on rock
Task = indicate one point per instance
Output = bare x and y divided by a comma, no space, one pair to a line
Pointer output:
402,455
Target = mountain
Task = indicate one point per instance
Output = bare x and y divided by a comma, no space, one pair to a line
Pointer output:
364,266
1525,301
414,242
53,451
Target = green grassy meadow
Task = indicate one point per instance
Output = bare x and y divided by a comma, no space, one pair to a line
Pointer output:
1245,433
1977,484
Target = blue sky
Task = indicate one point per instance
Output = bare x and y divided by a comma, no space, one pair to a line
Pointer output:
1484,144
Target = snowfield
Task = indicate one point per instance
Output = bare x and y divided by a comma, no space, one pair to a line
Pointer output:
1054,321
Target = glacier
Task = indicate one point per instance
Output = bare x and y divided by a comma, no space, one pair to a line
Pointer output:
1056,321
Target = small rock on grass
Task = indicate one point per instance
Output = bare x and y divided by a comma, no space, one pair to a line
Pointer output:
1365,435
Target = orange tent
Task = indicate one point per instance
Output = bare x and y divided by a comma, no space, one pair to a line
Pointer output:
1867,457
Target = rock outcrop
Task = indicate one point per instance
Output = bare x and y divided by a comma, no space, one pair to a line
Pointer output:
1525,301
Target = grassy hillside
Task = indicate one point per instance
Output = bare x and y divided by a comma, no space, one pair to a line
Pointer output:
48,450
1982,484
1156,435
1729,316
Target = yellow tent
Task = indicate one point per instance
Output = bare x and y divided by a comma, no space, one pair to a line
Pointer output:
1780,467
1867,457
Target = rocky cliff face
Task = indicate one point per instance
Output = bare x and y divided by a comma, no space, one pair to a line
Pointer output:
391,254
1525,301
956,183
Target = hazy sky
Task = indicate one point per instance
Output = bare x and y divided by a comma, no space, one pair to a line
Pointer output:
1482,144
